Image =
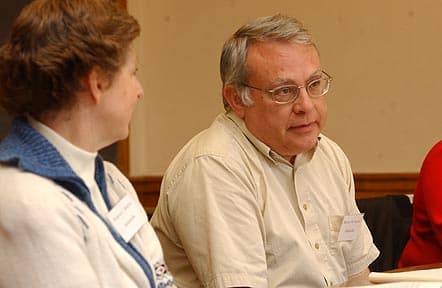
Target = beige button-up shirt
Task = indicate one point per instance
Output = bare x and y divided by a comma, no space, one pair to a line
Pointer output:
233,213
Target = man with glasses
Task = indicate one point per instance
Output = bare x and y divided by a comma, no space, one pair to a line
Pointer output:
261,198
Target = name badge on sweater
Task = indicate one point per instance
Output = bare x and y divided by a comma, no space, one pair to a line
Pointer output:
350,227
127,217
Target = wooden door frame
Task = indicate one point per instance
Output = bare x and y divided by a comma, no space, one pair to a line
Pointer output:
123,145
123,3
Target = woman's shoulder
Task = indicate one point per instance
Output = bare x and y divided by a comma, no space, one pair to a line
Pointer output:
436,149
16,182
431,168
29,198
434,156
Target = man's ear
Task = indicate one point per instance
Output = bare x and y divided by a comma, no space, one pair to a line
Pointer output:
231,95
96,83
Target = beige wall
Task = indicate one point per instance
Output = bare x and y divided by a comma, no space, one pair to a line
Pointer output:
385,56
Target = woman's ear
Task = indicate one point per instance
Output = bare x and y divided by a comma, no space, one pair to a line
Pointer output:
231,95
96,83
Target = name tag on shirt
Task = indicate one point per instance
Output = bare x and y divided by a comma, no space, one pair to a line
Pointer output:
350,227
127,217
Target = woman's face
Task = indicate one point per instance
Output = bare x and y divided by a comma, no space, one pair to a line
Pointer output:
120,98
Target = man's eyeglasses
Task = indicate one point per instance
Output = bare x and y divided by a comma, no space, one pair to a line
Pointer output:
284,94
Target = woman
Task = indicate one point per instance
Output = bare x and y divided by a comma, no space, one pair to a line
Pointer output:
425,243
68,219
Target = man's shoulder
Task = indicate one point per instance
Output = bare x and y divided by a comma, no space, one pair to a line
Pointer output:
328,151
222,147
221,139
329,147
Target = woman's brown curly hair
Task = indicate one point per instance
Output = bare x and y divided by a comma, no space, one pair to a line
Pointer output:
53,45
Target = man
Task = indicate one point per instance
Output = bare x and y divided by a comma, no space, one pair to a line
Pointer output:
262,198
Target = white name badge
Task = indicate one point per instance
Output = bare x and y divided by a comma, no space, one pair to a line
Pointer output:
350,227
127,217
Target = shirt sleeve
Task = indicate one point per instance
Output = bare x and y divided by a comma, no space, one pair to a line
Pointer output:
361,252
431,181
218,219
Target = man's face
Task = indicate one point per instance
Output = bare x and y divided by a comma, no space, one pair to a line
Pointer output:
291,128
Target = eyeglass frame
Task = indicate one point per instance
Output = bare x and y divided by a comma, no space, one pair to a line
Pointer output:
272,90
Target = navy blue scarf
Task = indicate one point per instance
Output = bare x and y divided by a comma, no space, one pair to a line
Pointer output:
28,150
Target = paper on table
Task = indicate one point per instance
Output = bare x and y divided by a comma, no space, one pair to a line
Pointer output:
405,285
430,275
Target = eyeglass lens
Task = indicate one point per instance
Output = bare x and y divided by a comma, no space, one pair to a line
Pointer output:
315,88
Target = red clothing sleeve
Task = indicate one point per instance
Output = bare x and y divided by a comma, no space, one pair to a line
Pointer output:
431,181
425,243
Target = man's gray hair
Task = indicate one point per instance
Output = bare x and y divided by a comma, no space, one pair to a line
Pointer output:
233,68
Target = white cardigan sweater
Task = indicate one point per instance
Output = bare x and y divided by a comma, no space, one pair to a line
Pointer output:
49,238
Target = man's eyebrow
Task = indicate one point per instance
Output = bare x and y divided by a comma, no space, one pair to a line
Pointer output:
284,81
318,72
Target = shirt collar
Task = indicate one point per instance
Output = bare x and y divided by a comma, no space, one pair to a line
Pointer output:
81,161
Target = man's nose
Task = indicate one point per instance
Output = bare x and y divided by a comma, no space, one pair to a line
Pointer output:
303,102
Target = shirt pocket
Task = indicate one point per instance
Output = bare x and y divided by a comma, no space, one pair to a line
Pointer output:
334,224
273,251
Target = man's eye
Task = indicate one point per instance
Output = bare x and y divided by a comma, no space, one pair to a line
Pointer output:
315,83
284,91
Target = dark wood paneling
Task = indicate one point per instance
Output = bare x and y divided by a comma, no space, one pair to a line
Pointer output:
8,11
123,156
367,185
148,189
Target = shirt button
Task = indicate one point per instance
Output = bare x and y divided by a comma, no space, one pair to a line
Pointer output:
316,245
304,206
